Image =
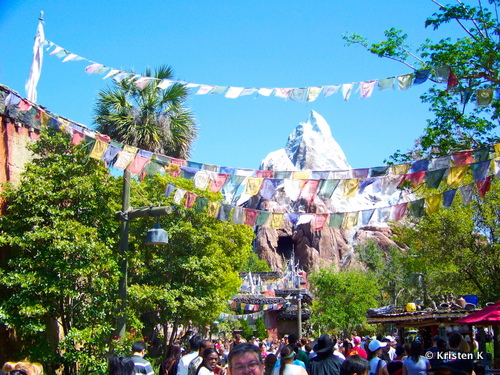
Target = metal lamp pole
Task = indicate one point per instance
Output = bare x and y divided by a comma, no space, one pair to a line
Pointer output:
299,316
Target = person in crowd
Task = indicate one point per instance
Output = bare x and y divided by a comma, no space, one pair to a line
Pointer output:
222,356
269,363
386,350
209,364
237,339
357,349
355,365
346,347
245,359
301,355
38,368
395,367
377,365
263,349
169,365
416,364
287,367
196,361
120,365
194,346
324,363
141,365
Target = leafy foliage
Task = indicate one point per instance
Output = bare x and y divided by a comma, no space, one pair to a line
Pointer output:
342,299
149,118
457,249
58,275
473,58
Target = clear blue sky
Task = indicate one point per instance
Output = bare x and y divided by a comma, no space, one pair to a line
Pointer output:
232,43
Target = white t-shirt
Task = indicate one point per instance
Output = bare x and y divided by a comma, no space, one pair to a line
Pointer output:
290,369
184,362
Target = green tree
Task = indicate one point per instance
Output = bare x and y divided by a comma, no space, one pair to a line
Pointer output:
457,249
389,269
473,58
261,329
192,278
58,274
342,299
150,118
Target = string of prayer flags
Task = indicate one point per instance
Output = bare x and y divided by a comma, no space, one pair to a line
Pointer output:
298,94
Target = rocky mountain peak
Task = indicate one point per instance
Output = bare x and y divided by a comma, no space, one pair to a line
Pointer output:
310,146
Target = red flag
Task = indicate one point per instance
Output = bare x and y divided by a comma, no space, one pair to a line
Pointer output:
484,186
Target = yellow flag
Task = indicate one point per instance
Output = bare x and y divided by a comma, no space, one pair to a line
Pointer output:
433,203
301,175
350,187
400,168
456,175
253,185
350,220
213,208
44,118
497,149
99,148
276,220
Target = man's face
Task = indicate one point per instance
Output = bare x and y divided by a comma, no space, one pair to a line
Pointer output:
246,364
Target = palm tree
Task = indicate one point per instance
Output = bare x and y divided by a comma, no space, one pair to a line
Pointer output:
151,118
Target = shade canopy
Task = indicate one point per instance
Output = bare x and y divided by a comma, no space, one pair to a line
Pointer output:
490,315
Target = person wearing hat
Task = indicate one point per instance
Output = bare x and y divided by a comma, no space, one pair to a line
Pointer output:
325,362
377,365
357,349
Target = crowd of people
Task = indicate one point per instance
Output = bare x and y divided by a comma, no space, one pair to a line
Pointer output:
293,356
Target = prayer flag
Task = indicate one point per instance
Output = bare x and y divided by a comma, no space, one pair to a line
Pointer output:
461,158
466,191
386,83
36,64
416,208
384,214
336,220
443,162
421,76
350,187
456,175
313,93
262,217
253,185
420,165
264,173
308,190
204,89
319,221
379,171
225,212
292,189
360,172
282,93
367,88
269,187
448,197
330,90
169,189
125,157
200,204
415,178
366,216
482,154
433,178
400,168
276,220
100,147
297,94
483,186
441,74
213,208
237,217
201,180
398,211
484,97
480,170
179,194
404,81
347,90
265,91
190,199
350,220
250,217
433,203
304,219
141,159
218,182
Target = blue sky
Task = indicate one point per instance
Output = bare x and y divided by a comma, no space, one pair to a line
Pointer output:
232,43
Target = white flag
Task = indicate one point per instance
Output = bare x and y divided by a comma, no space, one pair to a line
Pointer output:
36,64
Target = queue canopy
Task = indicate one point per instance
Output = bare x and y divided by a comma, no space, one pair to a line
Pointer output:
490,315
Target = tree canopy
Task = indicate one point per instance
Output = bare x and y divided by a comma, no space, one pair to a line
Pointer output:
466,70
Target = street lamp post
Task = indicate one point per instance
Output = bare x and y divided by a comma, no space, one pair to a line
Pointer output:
299,314
125,215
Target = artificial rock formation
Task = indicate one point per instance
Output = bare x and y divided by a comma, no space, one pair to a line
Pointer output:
312,147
